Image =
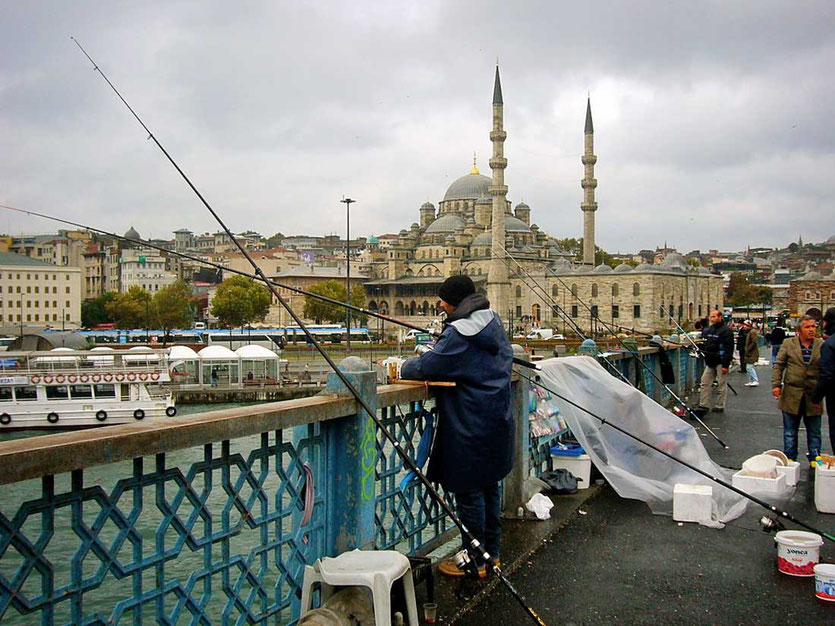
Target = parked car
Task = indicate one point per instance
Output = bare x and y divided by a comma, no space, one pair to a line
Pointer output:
544,333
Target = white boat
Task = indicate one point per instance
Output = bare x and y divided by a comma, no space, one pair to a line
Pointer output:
66,388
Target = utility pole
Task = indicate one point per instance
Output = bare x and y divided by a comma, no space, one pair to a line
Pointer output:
347,202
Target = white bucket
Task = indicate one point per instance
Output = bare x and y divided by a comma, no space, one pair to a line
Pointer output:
825,581
797,552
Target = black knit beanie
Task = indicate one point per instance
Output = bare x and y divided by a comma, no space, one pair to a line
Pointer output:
456,288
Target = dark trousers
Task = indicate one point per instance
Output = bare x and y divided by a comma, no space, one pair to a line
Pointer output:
480,511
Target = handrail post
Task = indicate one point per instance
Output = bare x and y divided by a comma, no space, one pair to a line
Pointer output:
351,451
513,494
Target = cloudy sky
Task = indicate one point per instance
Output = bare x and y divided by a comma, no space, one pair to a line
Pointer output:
712,119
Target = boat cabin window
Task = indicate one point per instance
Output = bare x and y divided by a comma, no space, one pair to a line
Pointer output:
5,394
81,391
26,393
57,392
105,391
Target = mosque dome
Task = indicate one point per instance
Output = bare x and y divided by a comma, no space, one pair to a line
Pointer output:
644,267
522,205
675,261
132,234
703,270
427,205
515,225
602,269
623,268
470,187
484,200
484,239
446,224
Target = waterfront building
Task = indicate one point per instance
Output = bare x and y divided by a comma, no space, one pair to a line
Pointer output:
528,278
811,294
36,293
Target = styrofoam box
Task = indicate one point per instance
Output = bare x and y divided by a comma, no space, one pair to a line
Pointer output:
742,480
579,466
792,472
692,503
824,490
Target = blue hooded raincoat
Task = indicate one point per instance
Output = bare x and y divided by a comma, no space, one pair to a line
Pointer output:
474,441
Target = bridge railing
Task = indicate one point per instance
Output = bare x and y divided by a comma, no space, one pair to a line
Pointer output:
211,518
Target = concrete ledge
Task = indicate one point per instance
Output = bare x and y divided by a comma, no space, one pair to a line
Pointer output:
520,540
23,459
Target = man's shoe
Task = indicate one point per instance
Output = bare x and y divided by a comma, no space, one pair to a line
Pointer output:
701,411
756,383
719,409
448,568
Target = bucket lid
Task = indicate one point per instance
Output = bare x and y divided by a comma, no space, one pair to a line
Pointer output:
798,538
825,569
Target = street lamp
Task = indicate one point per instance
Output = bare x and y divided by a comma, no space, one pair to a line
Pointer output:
347,202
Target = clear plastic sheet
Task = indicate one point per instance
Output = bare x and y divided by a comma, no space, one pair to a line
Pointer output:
633,469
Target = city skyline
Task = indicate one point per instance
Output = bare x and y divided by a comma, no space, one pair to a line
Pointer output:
704,116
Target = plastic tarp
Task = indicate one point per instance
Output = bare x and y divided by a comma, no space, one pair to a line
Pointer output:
634,469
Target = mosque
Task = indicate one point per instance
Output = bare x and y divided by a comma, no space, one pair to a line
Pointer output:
529,280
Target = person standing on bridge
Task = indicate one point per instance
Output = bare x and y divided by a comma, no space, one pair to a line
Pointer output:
718,351
793,381
826,378
473,447
752,354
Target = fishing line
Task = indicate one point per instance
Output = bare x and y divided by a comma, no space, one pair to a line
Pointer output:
635,354
604,422
183,255
473,543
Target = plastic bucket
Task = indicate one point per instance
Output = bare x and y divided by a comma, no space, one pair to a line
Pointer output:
797,552
825,581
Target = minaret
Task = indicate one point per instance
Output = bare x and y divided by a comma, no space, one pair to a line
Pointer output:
498,286
589,206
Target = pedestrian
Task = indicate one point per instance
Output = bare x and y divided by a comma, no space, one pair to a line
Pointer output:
793,380
214,378
473,447
718,351
752,354
740,346
826,377
778,336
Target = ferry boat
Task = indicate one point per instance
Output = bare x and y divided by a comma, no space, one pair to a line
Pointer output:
65,388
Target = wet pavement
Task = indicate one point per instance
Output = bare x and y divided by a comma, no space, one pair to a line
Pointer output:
606,559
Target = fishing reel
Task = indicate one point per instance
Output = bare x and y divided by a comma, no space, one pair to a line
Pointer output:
465,563
771,524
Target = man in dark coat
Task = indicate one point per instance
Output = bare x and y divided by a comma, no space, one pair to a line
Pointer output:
825,388
718,351
778,336
741,336
473,447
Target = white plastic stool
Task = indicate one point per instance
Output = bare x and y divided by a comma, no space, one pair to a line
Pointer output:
375,569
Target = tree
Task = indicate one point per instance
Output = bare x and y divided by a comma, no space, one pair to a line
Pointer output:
131,309
275,240
239,301
171,307
94,310
322,311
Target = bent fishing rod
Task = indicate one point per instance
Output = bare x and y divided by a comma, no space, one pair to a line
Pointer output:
698,349
473,543
636,356
536,380
183,255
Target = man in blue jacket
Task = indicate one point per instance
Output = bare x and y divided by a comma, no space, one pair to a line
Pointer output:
473,447
825,387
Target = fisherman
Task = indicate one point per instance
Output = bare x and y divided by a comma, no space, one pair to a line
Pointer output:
718,351
826,378
793,381
751,354
473,447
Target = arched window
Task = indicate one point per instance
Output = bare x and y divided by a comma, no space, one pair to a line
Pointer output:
554,291
518,291
808,295
372,305
574,289
398,308
412,308
424,307
420,272
594,290
535,312
636,289
615,290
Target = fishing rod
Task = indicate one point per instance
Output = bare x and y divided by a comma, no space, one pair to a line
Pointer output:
698,349
536,380
637,356
183,255
473,543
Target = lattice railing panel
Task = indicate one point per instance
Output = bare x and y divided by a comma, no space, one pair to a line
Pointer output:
406,520
203,536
